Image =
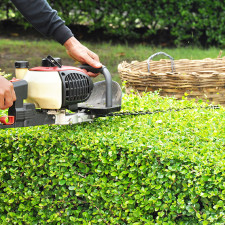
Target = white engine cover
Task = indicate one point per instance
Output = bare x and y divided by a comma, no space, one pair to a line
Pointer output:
44,89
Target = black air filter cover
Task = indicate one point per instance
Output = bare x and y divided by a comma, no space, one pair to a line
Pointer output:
76,87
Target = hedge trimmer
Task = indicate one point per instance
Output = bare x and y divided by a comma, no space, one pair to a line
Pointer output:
45,93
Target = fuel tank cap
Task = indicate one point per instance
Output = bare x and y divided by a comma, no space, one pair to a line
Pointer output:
21,64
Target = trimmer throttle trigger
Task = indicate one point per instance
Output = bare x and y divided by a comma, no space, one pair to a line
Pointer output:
7,120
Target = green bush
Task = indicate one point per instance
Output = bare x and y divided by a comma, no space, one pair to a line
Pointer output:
185,22
6,9
164,168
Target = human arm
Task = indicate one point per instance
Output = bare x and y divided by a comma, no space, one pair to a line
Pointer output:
46,21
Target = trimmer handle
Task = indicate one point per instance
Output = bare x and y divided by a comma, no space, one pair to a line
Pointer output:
108,79
17,109
90,68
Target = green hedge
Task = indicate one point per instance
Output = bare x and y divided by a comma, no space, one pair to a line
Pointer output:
187,22
165,168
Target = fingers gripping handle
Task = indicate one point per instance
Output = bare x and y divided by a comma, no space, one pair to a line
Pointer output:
108,79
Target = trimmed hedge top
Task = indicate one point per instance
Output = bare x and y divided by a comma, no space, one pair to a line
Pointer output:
164,168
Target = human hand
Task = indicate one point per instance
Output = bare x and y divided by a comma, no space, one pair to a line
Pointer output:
79,52
7,93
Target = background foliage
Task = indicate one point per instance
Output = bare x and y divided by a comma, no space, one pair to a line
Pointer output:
195,21
166,168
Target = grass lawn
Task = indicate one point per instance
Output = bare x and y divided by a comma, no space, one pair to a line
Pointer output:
110,54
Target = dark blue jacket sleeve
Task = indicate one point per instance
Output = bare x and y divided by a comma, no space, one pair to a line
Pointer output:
44,19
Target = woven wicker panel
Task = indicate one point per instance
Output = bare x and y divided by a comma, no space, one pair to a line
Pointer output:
200,79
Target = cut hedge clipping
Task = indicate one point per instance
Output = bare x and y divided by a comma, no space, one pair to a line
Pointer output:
164,168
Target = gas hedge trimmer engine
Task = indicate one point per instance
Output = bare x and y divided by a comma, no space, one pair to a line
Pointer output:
51,89
56,87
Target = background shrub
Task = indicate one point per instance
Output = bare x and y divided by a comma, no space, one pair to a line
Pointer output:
183,22
165,168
